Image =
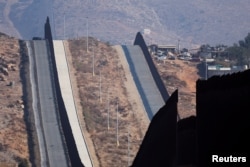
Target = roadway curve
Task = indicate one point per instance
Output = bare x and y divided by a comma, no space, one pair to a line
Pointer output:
144,81
51,141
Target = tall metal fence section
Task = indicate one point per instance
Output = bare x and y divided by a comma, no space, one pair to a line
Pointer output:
140,41
70,142
223,116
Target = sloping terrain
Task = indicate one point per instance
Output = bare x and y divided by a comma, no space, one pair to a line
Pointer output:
212,22
13,132
181,75
114,121
193,22
106,90
6,24
104,86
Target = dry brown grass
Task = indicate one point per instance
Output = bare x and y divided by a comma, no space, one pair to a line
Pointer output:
95,105
181,75
175,74
13,134
7,165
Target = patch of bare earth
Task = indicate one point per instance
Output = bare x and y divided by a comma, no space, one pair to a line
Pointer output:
13,134
181,75
109,111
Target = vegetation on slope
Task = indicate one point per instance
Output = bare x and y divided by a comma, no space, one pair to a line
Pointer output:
13,132
193,21
241,51
103,99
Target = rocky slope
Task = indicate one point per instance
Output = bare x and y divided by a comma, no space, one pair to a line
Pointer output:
105,86
181,75
197,21
114,121
115,79
13,130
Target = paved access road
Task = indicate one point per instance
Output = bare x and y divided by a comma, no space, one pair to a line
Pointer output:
47,107
143,79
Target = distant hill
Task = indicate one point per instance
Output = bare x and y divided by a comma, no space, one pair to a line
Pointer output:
191,22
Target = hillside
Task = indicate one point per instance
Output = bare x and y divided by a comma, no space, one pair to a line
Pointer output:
193,22
116,89
13,130
181,75
111,114
104,87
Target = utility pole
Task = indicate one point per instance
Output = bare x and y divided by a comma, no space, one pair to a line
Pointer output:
178,46
64,25
108,110
100,86
53,22
206,68
128,148
87,34
117,124
93,64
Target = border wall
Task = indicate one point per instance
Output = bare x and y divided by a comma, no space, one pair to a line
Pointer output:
158,147
221,126
70,142
140,41
223,116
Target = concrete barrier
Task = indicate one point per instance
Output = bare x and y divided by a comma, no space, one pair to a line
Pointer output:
66,126
68,100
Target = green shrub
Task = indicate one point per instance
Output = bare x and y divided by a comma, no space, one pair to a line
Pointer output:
23,163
